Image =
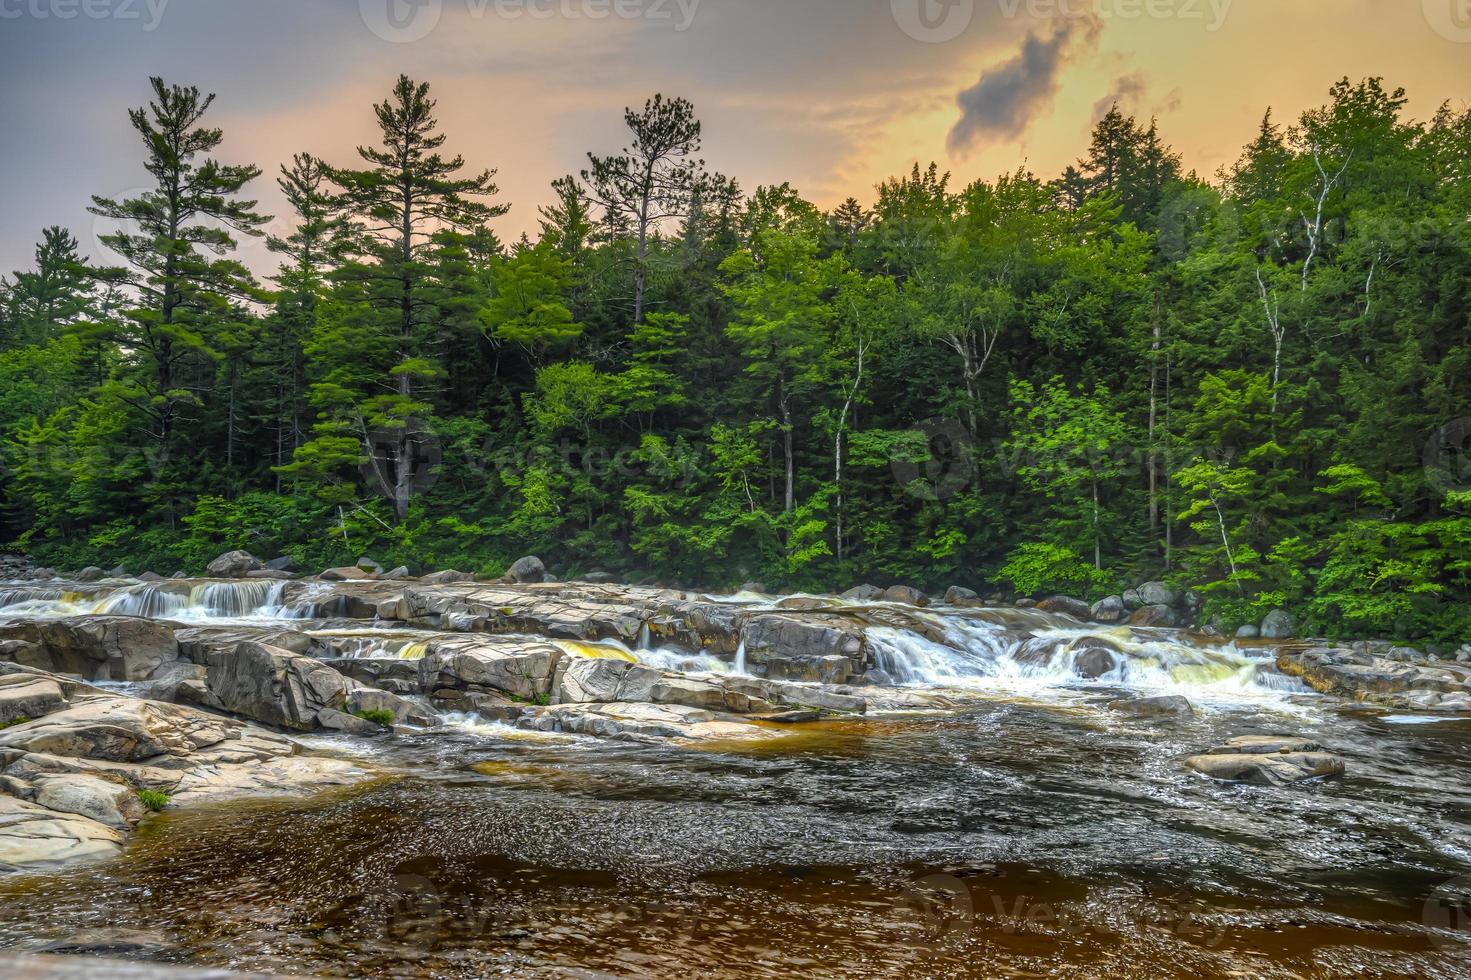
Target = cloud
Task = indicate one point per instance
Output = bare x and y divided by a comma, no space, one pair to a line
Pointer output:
1126,92
1004,100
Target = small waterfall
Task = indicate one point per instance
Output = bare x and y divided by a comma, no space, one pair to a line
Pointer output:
234,600
18,597
740,657
969,651
149,602
645,637
667,658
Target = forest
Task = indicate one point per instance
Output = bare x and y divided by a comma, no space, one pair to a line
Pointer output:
1255,384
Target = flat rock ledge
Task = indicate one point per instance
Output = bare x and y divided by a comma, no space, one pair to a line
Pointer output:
1398,678
74,780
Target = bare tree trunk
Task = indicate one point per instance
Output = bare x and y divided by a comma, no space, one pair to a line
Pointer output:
787,448
1153,419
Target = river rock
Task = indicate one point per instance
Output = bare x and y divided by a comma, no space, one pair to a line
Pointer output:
806,640
1109,610
1267,770
448,577
1279,625
1153,616
1132,600
1066,606
285,563
759,588
516,667
33,838
119,648
600,578
90,574
272,685
863,593
1248,632
24,696
1156,594
905,594
1365,676
362,698
234,564
109,803
1094,662
528,569
346,574
1166,706
1266,745
958,596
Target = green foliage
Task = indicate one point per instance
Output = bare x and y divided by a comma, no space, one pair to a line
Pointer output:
378,716
153,799
1036,568
14,722
1252,388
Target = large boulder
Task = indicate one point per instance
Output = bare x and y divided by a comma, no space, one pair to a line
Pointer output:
283,564
347,574
272,685
119,648
1110,610
527,571
1367,675
128,730
863,593
1157,594
1092,663
362,699
234,564
803,640
109,803
522,669
906,594
1279,625
90,574
960,596
1067,606
1153,616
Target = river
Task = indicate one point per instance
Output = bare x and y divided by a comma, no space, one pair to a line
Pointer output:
1024,830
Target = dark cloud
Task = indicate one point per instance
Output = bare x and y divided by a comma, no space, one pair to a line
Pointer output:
1006,97
1126,92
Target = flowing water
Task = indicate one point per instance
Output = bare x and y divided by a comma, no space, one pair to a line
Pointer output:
1027,830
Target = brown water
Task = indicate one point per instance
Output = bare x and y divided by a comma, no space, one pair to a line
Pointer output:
1014,838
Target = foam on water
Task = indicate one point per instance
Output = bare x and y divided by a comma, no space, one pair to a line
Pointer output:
205,602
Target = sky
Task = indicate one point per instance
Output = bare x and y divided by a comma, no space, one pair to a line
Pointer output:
831,95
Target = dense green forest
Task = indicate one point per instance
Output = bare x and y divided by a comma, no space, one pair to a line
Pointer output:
1257,384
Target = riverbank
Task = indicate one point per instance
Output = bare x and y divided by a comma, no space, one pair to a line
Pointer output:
326,745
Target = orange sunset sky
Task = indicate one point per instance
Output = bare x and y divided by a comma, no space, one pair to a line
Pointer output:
832,95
